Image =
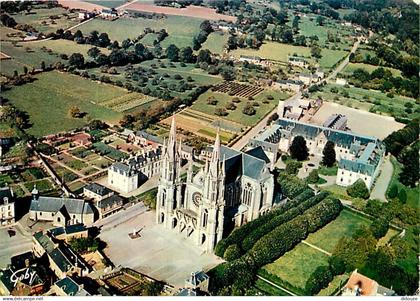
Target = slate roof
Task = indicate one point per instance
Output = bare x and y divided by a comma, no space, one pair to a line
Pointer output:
6,192
98,189
109,201
150,137
44,241
71,288
54,204
259,153
6,275
197,277
123,168
68,229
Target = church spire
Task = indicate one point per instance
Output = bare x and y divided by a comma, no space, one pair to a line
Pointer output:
215,157
172,139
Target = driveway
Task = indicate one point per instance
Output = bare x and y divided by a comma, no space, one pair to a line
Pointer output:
382,182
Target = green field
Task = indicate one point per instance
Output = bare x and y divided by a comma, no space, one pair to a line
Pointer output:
338,282
279,52
369,100
351,67
181,30
412,193
40,19
297,265
47,101
237,116
215,42
267,289
344,225
107,3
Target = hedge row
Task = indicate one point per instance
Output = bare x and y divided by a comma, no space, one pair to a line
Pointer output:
239,273
255,235
240,234
291,186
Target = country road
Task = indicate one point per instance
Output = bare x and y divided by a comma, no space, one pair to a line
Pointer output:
243,141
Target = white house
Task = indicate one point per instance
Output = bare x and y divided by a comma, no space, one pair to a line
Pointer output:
7,206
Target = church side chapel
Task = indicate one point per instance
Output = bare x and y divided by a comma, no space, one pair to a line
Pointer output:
231,189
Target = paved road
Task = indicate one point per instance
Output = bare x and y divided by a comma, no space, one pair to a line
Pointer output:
382,182
241,143
120,217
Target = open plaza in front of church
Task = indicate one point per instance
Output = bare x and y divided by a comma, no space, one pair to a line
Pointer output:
157,252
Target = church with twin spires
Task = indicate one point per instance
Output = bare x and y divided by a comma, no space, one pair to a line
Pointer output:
232,188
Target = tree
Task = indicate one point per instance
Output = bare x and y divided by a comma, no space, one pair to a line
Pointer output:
206,26
319,279
393,192
320,20
220,112
43,65
358,190
379,227
298,150
74,111
172,53
103,40
249,109
77,60
93,52
204,56
402,196
313,177
316,51
186,55
292,167
228,73
328,153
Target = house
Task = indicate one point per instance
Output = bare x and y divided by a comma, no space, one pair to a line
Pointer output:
96,192
360,285
289,85
23,277
109,13
63,261
336,121
341,81
123,177
297,61
358,156
68,287
7,206
253,59
60,211
319,74
69,232
306,78
84,15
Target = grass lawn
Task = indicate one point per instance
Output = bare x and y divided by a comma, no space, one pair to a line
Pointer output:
388,236
297,265
412,193
76,164
5,179
64,173
18,191
237,116
338,191
344,225
268,290
279,52
351,67
337,282
328,171
40,19
109,151
47,101
41,185
181,30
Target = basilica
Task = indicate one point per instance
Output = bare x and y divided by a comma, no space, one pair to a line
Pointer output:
231,189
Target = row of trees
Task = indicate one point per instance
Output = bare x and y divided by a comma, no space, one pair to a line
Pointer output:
201,37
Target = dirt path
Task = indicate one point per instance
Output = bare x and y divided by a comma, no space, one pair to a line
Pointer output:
276,286
316,248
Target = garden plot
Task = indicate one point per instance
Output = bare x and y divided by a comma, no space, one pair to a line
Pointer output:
128,102
236,89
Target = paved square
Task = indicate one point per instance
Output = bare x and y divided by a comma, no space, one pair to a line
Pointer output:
10,246
159,253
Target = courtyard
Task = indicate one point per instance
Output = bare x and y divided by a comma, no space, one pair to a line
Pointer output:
158,252
13,245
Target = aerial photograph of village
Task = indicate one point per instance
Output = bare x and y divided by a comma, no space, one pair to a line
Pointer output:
209,148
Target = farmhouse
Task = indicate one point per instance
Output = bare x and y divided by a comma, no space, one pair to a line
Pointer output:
7,206
253,59
341,81
289,85
109,14
306,78
359,157
297,61
60,211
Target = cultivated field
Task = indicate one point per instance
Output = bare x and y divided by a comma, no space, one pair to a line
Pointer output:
360,122
190,11
47,101
181,30
236,115
108,3
351,67
279,52
78,4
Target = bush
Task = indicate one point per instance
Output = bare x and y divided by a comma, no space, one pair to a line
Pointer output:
291,185
337,265
402,196
379,227
232,252
293,167
393,192
313,177
249,109
319,279
358,190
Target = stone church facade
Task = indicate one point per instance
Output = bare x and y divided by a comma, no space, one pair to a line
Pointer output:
232,187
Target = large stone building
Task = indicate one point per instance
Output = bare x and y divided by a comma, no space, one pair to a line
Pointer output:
358,156
7,206
60,211
232,187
